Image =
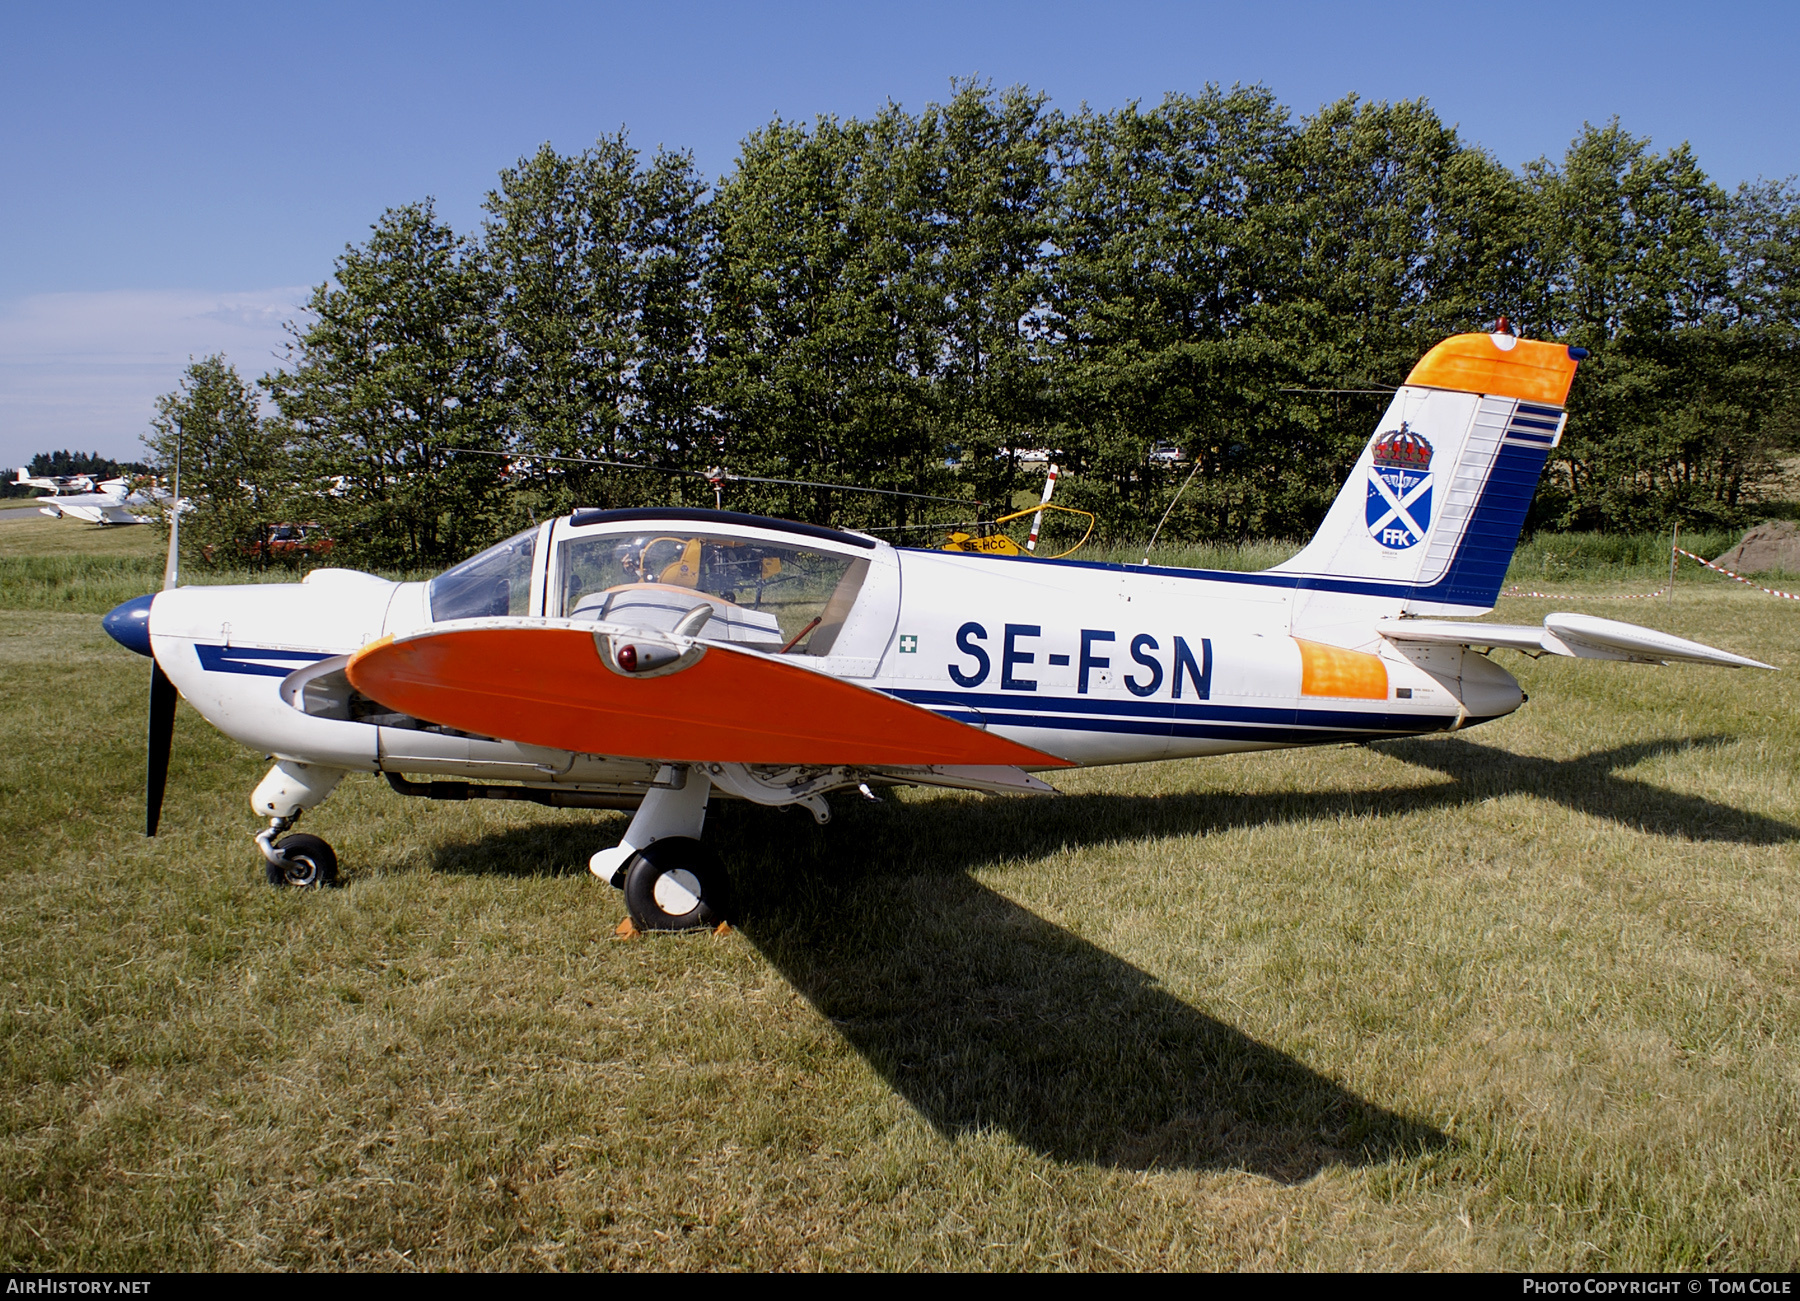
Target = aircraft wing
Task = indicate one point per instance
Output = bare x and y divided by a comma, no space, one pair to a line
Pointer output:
560,684
94,507
1582,636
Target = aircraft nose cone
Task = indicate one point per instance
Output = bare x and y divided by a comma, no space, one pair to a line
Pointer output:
129,624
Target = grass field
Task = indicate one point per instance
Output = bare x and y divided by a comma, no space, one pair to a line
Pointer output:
1524,997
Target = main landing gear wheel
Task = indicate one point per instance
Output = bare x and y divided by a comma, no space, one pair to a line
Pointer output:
676,884
310,862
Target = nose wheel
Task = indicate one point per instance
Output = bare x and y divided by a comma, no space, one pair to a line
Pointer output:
676,884
299,861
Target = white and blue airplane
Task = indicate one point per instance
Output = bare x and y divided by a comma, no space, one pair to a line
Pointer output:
656,659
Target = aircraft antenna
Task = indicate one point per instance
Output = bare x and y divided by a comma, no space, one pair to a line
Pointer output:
1151,545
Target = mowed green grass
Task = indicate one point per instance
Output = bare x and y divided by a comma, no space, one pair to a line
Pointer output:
1521,997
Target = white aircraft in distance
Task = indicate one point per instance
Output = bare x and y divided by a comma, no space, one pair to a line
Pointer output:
58,484
96,508
78,496
654,659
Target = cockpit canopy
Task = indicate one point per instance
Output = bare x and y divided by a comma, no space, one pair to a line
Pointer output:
767,595
654,569
494,583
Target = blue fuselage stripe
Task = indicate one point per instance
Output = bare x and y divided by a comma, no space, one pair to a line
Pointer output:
1165,717
243,659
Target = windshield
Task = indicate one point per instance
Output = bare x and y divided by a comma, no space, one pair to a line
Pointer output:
496,582
770,595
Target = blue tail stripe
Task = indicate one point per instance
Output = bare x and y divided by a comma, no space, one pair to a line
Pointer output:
1479,566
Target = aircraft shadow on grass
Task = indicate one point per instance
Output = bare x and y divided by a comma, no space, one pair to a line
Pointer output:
983,1015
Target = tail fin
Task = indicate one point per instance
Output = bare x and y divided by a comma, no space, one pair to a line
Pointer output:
1432,512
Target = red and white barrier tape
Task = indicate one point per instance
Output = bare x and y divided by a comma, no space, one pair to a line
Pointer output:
1516,590
1786,596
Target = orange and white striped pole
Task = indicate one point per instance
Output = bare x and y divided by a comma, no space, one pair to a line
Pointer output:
1037,520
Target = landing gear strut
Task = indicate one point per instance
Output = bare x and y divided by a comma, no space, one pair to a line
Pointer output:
289,789
671,881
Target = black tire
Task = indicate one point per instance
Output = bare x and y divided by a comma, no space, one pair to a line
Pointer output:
677,884
312,862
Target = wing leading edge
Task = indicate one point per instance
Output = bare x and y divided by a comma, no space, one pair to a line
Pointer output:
546,683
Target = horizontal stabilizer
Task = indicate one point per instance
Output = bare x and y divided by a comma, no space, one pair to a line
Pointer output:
1581,636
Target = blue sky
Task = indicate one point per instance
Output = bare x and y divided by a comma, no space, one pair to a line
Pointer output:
175,175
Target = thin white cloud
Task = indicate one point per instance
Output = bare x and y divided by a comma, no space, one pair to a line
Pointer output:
83,370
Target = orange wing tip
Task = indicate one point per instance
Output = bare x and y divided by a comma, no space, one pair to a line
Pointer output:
1501,366
1339,673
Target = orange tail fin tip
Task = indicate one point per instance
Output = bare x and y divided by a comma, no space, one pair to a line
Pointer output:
1501,365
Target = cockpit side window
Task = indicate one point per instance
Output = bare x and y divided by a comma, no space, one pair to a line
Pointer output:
767,595
496,582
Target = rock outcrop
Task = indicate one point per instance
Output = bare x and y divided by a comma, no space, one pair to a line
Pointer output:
1775,545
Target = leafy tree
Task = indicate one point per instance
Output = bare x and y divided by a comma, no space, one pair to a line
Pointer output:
817,341
234,465
65,463
908,301
596,262
876,297
392,397
1666,419
991,162
1159,236
1387,233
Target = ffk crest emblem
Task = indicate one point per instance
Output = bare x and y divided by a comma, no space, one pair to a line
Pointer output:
1399,509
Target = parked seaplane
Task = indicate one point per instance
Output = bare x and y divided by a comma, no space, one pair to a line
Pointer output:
658,659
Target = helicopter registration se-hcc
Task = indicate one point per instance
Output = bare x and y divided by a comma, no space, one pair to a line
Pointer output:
657,659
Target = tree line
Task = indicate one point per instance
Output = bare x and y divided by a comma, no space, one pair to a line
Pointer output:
1211,298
